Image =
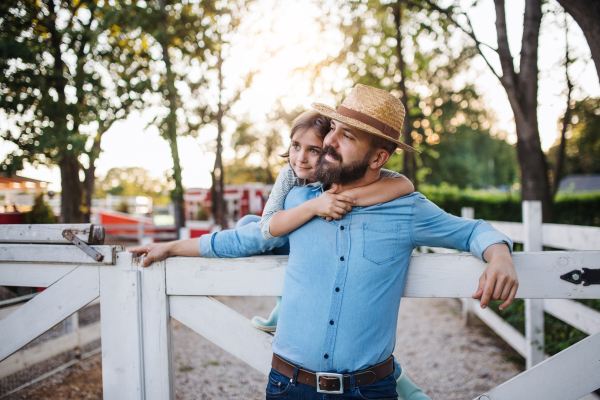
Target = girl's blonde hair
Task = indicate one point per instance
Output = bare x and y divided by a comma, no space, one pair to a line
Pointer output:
309,119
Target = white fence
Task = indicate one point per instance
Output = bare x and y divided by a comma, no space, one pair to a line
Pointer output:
136,303
534,234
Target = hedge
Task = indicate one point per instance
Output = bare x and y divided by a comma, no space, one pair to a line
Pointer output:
573,209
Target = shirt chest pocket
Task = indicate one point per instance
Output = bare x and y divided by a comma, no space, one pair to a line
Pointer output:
380,242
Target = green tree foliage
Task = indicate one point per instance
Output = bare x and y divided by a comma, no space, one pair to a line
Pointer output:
132,182
40,213
404,49
257,154
582,152
69,69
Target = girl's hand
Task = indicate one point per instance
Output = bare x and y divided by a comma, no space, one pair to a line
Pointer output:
331,205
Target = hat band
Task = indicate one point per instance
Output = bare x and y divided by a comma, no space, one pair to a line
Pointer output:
372,122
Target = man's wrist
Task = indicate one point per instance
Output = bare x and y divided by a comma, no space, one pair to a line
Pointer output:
497,251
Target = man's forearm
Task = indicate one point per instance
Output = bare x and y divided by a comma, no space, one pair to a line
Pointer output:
184,248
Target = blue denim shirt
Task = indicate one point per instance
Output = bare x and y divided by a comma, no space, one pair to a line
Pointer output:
344,279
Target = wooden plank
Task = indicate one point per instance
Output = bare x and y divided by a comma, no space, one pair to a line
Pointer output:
254,276
534,308
514,230
55,253
60,300
429,275
158,348
580,316
225,328
569,375
47,350
50,233
121,313
572,237
509,334
33,275
6,311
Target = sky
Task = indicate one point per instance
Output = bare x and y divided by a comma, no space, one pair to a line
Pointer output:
294,41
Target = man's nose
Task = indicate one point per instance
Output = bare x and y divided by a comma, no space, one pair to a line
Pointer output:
330,139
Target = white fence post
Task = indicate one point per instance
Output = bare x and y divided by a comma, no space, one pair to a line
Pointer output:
157,345
121,325
468,303
534,308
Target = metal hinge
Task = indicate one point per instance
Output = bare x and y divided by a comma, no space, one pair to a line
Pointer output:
588,276
70,236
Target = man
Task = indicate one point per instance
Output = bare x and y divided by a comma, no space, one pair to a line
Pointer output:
344,279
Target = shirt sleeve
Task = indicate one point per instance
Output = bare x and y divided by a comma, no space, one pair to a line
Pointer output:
241,242
284,183
431,226
386,173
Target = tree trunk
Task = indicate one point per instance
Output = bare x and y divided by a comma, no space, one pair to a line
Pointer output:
408,158
522,91
171,133
218,172
587,14
71,192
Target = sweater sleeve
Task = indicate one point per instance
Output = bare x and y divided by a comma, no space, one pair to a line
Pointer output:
386,173
286,180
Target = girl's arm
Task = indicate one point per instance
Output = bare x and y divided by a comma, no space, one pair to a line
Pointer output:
284,183
390,186
329,204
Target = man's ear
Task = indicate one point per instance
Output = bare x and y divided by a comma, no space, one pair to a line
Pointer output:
379,158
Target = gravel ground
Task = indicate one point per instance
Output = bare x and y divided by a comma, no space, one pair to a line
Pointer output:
447,360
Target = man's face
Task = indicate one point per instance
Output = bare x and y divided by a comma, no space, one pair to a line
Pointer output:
346,155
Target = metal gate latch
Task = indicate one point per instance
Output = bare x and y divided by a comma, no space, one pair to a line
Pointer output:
588,276
70,236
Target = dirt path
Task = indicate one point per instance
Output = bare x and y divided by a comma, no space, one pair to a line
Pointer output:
446,359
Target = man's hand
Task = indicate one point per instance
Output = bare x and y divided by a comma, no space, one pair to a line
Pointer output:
160,251
499,280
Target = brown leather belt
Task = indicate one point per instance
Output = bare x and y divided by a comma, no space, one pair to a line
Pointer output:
331,382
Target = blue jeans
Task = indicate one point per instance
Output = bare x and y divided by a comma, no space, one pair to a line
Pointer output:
281,387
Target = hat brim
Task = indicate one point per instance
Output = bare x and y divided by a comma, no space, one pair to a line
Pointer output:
331,113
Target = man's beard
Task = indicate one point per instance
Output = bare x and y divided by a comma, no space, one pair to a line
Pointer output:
328,173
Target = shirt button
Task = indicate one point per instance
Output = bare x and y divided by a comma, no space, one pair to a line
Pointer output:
326,356
342,228
342,258
337,289
331,322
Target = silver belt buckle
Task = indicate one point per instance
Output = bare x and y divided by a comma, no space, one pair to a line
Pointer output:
330,375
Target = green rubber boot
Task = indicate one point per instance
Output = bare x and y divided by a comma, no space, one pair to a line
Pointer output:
408,390
268,325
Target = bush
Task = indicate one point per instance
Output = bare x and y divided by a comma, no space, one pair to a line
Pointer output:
572,209
41,213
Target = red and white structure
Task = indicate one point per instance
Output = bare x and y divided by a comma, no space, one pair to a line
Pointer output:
249,198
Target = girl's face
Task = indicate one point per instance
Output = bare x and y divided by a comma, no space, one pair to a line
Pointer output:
304,152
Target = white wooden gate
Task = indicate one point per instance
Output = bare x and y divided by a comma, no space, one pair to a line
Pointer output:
136,304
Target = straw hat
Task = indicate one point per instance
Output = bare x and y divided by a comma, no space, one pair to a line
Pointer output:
371,110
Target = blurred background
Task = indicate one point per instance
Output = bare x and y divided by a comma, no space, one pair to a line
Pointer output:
162,112
165,119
